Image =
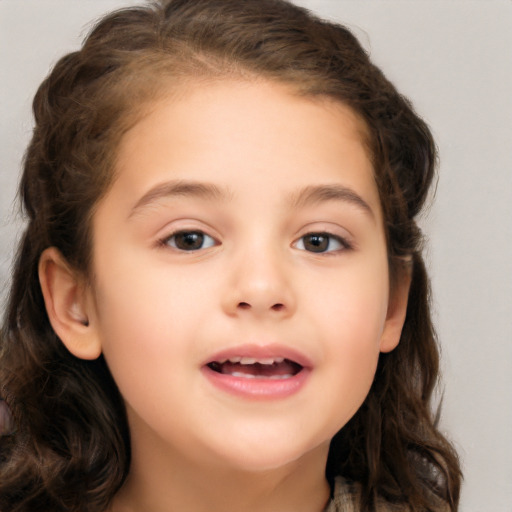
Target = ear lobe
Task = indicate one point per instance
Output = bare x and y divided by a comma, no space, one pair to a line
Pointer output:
397,309
68,305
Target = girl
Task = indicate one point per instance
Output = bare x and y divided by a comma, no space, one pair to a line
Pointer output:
219,302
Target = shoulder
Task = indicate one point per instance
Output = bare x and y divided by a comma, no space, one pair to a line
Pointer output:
346,496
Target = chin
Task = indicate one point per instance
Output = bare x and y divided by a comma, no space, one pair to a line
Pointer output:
265,456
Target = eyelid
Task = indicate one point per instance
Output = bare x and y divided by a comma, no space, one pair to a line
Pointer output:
166,241
343,243
186,226
330,228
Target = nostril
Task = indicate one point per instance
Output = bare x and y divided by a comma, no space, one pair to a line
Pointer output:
275,307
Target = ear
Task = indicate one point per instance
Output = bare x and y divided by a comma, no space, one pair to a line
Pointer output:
397,307
68,304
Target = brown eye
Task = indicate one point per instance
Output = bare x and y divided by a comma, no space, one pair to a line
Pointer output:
321,242
316,243
190,241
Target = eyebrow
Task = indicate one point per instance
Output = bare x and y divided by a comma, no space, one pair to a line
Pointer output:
307,196
323,193
179,188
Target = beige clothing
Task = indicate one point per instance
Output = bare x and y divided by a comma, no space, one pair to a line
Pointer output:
346,499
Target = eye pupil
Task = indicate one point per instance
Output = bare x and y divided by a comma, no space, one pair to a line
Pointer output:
189,240
316,242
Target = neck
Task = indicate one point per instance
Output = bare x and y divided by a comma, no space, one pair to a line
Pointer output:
167,481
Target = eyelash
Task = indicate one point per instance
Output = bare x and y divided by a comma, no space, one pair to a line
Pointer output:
321,240
321,237
190,233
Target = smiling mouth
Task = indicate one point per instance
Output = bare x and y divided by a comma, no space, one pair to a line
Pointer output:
278,368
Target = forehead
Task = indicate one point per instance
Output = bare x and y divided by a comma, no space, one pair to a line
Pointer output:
223,131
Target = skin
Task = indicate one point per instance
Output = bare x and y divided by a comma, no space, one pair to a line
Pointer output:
158,312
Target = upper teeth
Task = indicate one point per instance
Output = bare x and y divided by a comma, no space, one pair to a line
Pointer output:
253,360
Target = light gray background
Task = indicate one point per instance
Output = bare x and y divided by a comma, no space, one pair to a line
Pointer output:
453,58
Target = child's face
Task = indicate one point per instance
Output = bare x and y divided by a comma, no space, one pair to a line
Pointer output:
244,223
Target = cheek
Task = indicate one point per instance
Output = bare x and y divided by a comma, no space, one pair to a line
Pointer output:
354,341
350,363
146,341
145,321
352,317
353,304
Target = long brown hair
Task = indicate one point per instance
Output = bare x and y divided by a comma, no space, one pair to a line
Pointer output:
70,446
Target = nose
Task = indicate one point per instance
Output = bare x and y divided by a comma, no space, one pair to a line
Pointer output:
259,285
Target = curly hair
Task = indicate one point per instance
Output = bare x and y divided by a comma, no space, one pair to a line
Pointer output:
70,447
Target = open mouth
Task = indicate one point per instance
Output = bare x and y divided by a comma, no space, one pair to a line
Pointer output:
249,372
272,368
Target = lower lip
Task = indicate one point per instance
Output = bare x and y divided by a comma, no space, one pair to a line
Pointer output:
262,388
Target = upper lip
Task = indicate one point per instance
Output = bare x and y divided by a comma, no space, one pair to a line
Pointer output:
260,353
